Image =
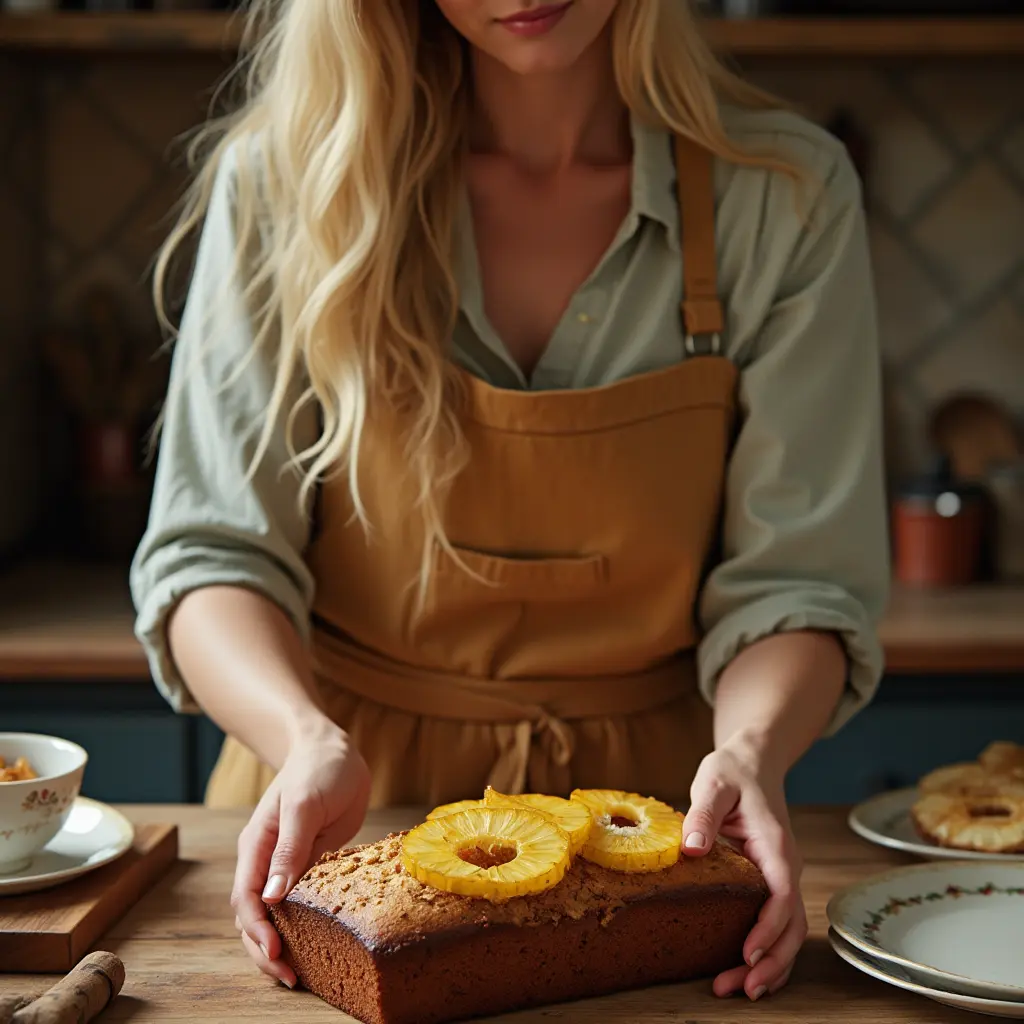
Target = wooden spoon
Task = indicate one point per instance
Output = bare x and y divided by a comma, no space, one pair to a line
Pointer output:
976,433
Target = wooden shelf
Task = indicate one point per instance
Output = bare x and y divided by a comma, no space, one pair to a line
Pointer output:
970,629
211,32
189,32
869,37
71,623
75,623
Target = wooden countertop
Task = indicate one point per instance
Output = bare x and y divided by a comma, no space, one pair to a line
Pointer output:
185,963
75,623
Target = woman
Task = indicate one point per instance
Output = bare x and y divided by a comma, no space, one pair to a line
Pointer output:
525,408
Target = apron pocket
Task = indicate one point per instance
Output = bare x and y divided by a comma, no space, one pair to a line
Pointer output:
527,577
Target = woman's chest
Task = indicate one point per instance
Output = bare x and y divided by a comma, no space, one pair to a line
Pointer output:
536,248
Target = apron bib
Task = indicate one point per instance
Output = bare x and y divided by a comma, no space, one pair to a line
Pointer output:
565,657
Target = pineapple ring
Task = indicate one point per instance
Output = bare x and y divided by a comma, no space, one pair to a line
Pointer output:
453,808
631,833
495,853
1003,756
987,823
969,779
570,815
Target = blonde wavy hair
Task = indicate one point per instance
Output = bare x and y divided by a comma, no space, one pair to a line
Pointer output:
349,150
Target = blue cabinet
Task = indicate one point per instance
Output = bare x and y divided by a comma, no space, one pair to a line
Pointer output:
913,725
139,752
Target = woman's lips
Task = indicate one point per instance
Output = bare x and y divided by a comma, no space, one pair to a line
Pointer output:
537,20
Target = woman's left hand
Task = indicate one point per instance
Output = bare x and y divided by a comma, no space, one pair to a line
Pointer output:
735,795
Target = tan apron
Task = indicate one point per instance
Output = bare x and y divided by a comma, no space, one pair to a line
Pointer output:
588,518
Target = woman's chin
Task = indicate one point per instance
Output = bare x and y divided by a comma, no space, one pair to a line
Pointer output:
536,59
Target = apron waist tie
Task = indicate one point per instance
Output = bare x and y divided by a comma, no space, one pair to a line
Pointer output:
528,713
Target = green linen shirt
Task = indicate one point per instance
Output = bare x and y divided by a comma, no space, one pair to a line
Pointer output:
804,531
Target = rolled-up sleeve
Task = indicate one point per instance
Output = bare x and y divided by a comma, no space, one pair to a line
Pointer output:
804,534
212,521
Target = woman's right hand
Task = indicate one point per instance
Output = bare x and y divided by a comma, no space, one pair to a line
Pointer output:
316,803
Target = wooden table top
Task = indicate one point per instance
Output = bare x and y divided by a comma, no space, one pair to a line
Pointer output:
184,961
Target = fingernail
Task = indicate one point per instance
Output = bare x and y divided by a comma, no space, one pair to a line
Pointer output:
695,841
275,887
754,957
288,984
758,992
263,950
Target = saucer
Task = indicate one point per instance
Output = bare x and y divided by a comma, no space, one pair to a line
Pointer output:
93,835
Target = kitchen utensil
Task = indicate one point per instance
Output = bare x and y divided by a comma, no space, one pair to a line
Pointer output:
952,925
975,432
885,820
48,932
78,997
34,810
939,526
893,974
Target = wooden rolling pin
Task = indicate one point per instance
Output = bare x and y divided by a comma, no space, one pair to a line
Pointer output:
79,996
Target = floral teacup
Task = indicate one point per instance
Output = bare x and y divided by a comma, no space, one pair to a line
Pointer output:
33,810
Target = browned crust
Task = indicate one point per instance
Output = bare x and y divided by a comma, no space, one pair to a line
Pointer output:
476,971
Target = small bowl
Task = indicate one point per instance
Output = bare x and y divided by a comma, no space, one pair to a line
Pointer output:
34,811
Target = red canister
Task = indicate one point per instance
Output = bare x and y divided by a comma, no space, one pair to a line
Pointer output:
938,530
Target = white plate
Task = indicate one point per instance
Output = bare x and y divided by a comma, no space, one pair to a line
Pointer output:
893,974
956,925
885,820
93,835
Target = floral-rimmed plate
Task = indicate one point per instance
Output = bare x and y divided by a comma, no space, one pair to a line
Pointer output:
893,974
885,820
958,925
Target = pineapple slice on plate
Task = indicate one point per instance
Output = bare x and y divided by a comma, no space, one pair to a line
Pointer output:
491,852
570,815
631,833
459,805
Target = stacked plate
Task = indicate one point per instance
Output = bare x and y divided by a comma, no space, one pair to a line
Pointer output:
951,931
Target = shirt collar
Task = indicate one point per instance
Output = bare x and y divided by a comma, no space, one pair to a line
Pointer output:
654,178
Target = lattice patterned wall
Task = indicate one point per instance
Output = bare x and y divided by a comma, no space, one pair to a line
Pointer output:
946,188
946,200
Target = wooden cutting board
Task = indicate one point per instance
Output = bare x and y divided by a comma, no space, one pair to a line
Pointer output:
50,931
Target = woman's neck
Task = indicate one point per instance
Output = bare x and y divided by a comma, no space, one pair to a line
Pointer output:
544,123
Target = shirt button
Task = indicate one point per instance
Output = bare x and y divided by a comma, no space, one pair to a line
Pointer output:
584,318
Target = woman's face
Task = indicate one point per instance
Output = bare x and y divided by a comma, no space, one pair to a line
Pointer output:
530,36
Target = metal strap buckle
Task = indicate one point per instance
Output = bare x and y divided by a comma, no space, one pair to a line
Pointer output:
714,344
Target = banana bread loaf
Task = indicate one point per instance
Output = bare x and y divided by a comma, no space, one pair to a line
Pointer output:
369,939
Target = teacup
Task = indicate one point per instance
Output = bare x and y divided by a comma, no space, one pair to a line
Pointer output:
33,811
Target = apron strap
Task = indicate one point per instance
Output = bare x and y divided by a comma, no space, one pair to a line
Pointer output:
695,182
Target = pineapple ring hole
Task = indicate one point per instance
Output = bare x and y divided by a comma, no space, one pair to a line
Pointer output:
486,852
989,811
620,821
